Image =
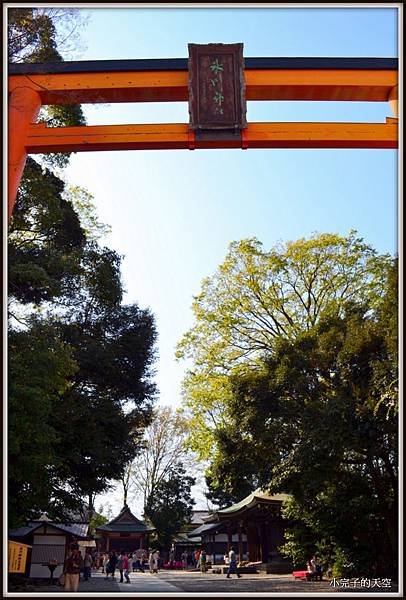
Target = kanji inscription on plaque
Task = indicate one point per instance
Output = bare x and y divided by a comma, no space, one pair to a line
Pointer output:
216,87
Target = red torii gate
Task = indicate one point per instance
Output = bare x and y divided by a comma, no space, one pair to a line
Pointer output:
166,80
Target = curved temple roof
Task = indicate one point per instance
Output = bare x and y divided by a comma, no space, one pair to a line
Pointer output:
257,497
125,522
79,530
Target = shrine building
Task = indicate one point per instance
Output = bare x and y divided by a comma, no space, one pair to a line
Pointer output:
254,527
49,541
124,532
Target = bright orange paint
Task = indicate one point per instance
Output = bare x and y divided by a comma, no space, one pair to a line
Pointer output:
24,106
172,86
177,136
28,92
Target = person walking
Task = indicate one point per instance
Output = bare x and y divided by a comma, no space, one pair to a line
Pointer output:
157,559
72,567
111,565
232,567
126,567
87,565
197,556
203,561
120,566
137,561
103,561
171,556
107,566
151,561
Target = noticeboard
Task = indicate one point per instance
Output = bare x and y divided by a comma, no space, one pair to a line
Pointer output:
216,87
17,557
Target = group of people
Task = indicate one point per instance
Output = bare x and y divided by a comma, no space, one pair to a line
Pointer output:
192,560
314,569
230,559
75,564
199,559
120,562
109,563
123,562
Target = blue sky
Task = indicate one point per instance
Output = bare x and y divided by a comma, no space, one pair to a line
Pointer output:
173,214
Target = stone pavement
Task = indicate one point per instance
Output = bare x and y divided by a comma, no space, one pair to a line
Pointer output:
148,583
179,583
97,584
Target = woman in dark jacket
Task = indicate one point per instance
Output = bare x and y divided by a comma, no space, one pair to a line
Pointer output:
111,567
72,567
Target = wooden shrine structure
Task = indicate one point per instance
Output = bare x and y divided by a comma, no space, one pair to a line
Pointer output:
124,532
49,540
254,527
216,81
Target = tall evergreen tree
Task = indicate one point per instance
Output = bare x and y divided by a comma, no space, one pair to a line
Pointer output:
170,506
320,412
81,385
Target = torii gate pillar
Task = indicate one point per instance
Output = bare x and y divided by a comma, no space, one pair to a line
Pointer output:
24,106
217,81
394,102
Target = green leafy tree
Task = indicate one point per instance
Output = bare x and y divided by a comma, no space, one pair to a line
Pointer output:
316,412
46,240
110,400
170,506
89,409
43,34
108,397
99,518
257,297
39,35
40,367
161,449
104,393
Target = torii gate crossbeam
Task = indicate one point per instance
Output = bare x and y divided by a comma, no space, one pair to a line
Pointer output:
166,80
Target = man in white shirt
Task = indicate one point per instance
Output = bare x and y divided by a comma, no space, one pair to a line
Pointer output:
232,557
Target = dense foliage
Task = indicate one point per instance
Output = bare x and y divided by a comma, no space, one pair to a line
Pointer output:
310,408
46,35
80,369
170,506
257,297
81,361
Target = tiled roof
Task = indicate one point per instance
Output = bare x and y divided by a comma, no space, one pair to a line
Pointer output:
76,529
198,516
125,522
125,527
205,528
21,531
256,497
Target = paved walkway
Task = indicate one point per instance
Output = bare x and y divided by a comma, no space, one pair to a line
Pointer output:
97,584
148,583
179,583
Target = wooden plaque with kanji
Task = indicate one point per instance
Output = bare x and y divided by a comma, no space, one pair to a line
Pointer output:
216,87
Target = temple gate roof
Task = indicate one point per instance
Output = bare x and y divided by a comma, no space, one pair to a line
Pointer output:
125,522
